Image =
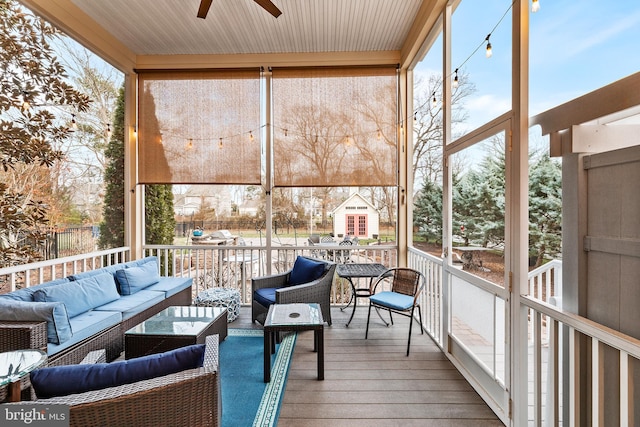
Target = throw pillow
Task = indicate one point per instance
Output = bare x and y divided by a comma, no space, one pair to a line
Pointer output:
54,313
305,270
71,379
134,279
82,295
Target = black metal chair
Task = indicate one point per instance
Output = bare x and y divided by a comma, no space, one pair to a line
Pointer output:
406,285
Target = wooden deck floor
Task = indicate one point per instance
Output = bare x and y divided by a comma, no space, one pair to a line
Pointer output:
373,382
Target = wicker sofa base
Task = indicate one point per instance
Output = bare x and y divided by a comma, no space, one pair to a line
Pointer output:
21,335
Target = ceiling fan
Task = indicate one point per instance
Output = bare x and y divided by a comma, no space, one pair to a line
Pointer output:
266,5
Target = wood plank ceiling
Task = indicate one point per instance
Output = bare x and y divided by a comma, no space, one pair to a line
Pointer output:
170,27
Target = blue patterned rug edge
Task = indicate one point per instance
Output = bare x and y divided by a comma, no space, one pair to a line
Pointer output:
269,409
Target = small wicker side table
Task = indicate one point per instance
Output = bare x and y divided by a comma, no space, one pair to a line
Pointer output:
221,297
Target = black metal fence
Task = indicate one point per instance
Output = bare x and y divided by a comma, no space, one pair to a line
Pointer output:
70,240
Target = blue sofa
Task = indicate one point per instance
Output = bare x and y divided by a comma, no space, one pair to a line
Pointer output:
88,311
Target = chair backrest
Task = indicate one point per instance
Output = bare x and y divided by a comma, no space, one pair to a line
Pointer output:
314,238
406,281
327,239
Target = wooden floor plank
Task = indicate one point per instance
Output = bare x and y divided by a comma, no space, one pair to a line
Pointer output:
373,382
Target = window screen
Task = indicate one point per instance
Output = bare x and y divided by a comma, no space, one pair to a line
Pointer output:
334,126
199,127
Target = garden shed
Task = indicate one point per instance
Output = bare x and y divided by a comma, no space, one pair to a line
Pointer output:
356,217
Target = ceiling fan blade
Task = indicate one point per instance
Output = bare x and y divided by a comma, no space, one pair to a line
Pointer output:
269,7
204,8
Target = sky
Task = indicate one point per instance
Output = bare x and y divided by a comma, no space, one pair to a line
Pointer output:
575,48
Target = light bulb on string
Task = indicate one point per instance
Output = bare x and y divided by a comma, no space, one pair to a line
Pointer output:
535,6
250,136
489,51
415,117
108,130
286,132
25,102
220,143
74,125
379,134
190,144
434,101
347,140
455,79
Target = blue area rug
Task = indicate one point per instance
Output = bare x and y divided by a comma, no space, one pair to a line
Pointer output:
246,399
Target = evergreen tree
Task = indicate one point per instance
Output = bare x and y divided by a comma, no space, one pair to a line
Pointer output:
33,81
545,209
427,211
112,226
159,217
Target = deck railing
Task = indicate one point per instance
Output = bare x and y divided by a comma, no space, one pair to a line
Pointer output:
26,275
554,372
233,266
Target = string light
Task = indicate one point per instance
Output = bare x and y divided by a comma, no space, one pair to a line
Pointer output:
108,130
489,50
455,80
74,125
379,134
415,117
434,101
220,143
286,132
25,102
250,136
190,144
535,6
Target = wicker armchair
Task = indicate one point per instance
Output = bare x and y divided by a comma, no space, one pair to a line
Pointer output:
318,291
187,398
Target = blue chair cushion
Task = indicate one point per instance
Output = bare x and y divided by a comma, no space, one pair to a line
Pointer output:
265,296
392,300
72,379
134,279
82,295
305,270
54,313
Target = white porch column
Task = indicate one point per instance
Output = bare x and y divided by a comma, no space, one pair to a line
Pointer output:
134,194
518,237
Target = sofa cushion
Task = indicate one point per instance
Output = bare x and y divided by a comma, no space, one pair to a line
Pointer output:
305,270
87,325
265,296
111,269
26,294
82,295
171,285
72,379
134,279
54,313
130,305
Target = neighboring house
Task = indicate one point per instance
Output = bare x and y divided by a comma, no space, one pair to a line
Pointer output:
198,197
250,207
356,217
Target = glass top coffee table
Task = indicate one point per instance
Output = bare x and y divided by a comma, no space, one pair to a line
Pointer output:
293,317
16,365
175,327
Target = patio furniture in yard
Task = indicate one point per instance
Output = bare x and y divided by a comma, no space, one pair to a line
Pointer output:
176,388
175,327
228,298
406,285
308,281
293,317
